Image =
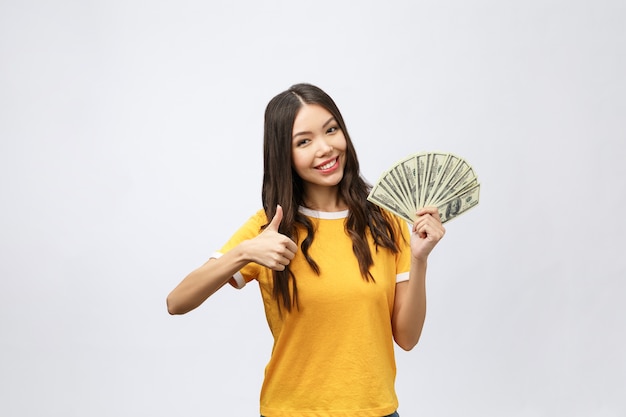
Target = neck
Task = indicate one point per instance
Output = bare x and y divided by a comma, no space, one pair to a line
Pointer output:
325,199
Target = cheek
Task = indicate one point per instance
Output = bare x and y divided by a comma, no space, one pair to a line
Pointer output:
343,142
341,145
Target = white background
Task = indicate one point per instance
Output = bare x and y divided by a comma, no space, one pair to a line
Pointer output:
131,138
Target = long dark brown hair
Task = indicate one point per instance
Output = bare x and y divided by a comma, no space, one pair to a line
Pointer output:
282,185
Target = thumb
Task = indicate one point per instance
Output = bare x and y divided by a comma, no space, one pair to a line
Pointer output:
278,217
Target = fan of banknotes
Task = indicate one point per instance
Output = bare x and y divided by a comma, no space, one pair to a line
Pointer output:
438,179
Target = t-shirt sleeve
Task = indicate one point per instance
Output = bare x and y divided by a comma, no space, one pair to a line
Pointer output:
248,230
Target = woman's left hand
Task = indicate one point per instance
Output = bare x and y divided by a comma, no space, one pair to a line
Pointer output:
427,231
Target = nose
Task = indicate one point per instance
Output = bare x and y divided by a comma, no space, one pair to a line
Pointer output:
325,148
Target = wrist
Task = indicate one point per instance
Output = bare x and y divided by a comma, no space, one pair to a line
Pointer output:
419,261
418,269
244,252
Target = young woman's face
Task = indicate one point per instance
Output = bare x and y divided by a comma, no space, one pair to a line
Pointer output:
318,147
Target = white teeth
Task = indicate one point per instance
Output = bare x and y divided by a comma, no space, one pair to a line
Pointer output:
328,165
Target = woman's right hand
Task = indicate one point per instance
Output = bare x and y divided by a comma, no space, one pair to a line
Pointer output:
270,248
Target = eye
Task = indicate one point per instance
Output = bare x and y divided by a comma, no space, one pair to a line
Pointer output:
302,142
332,129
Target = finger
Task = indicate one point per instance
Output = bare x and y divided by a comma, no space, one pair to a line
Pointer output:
278,267
430,218
421,221
429,229
288,244
280,263
422,231
289,254
432,210
278,217
291,247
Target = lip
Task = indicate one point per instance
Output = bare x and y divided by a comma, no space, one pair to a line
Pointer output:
329,161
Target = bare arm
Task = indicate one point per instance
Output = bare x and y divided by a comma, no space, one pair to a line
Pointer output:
409,309
204,281
270,249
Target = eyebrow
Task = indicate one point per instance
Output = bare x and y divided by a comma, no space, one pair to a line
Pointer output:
329,121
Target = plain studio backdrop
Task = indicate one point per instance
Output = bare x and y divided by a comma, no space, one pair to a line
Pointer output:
131,148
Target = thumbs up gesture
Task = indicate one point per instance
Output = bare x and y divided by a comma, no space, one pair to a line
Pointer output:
278,217
271,248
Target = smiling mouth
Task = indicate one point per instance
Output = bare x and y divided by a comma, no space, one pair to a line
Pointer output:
327,165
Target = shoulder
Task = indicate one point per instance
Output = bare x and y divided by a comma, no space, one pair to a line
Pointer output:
248,230
259,217
257,221
253,225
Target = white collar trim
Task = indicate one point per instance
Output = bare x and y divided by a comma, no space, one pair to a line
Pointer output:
326,215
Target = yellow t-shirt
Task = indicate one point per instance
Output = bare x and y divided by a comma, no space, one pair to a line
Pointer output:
334,356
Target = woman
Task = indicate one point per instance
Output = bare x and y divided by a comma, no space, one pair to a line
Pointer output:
341,278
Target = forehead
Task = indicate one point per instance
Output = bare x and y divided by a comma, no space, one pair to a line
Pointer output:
310,116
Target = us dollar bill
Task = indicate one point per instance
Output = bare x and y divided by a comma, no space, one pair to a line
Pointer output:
379,196
462,180
389,185
399,179
459,204
433,171
421,161
409,166
449,165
